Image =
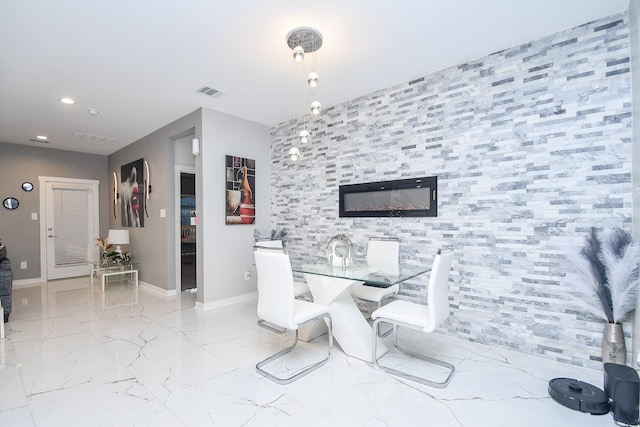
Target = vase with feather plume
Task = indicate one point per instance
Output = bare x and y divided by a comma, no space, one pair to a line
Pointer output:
606,275
614,349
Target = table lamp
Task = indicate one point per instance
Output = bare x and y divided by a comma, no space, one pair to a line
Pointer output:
118,237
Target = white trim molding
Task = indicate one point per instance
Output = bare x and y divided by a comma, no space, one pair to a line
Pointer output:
226,302
157,290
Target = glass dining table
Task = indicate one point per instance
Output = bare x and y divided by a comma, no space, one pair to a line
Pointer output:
331,285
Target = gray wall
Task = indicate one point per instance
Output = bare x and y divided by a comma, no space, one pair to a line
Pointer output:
227,249
20,163
153,246
531,146
224,251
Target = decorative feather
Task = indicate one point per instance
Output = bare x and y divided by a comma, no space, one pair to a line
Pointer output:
606,274
620,254
591,251
582,278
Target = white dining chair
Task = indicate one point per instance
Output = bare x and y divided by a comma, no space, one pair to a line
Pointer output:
406,314
274,244
278,306
269,244
298,287
382,251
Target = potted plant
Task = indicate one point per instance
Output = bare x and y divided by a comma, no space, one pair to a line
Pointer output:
606,276
104,244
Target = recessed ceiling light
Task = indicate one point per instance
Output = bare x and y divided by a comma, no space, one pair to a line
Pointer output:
67,101
93,112
42,137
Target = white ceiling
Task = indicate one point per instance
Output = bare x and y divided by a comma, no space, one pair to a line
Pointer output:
141,62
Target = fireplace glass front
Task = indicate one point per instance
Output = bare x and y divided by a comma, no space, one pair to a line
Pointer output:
404,197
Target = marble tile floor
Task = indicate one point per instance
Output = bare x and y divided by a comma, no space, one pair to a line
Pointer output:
74,356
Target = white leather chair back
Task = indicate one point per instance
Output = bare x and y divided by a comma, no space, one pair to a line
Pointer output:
437,292
383,251
275,288
269,244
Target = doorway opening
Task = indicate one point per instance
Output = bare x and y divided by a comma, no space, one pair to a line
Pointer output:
188,224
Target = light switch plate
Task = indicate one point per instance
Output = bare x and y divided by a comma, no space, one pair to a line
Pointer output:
34,216
163,213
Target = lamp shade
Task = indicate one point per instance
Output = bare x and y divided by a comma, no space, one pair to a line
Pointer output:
118,237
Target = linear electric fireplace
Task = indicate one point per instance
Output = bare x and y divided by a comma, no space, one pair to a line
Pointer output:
403,197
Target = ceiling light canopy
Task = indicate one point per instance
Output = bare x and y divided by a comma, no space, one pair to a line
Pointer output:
306,38
42,137
67,100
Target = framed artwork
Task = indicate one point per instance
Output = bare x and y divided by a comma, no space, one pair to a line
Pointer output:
240,184
132,198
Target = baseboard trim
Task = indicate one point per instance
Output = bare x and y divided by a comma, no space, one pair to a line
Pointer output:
225,302
156,290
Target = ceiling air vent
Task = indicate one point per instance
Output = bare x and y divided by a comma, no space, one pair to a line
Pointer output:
93,138
209,91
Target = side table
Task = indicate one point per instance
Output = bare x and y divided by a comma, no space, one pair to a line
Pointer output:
125,269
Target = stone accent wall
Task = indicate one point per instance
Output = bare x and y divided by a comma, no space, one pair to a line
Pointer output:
531,146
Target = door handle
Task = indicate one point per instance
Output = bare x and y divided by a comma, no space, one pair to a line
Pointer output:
51,236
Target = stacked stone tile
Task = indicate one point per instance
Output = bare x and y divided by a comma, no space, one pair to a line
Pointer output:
531,146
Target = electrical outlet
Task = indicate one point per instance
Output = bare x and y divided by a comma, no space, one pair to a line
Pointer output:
25,301
23,265
247,275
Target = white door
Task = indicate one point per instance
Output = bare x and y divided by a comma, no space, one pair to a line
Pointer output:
69,227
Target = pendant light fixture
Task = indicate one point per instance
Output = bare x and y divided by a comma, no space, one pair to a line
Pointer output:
305,40
314,79
298,53
294,154
304,136
315,108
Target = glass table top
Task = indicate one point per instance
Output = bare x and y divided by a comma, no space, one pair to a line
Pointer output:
382,275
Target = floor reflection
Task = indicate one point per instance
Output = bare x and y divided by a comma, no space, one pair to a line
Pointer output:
77,356
115,295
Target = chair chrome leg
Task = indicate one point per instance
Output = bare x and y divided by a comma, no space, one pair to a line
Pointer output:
385,333
406,375
269,327
307,370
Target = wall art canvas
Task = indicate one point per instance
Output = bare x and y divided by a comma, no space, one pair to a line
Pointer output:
132,197
240,184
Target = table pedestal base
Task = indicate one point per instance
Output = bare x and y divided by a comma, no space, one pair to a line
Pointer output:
350,329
